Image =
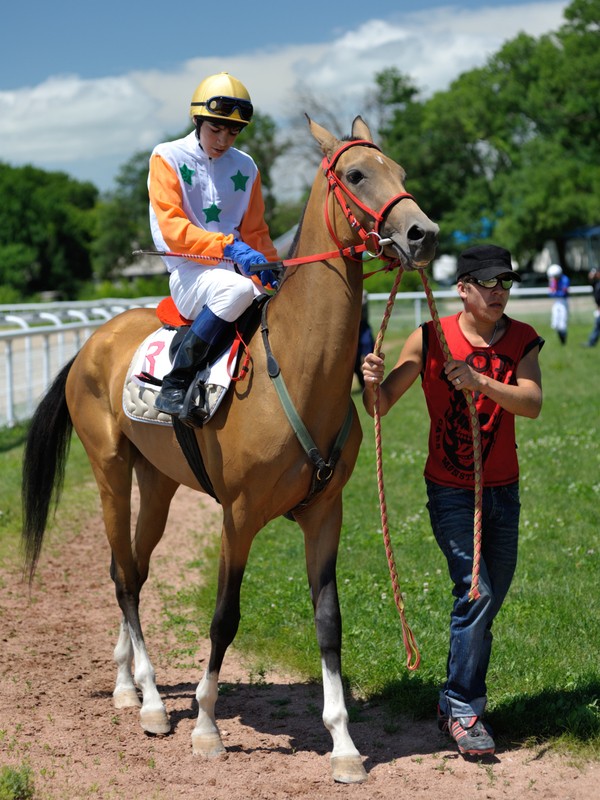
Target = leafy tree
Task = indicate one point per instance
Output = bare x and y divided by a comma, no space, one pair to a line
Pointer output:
510,151
122,222
45,230
259,139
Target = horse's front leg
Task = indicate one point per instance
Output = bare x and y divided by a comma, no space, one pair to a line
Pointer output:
321,525
206,739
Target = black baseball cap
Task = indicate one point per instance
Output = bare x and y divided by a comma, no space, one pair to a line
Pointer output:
485,261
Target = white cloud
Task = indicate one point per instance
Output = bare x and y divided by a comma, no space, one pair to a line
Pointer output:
89,127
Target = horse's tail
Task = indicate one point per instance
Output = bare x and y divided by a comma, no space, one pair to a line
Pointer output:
44,460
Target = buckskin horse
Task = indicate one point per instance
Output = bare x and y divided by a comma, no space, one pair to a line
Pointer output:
252,455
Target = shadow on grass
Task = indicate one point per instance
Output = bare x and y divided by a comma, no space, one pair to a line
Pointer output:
548,714
574,712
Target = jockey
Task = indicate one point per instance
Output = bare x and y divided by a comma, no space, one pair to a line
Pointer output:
206,199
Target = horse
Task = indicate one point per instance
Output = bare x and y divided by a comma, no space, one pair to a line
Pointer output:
256,464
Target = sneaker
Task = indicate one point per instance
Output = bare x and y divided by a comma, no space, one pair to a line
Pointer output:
443,720
471,736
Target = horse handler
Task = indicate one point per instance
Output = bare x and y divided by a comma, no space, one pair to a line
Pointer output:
496,358
206,200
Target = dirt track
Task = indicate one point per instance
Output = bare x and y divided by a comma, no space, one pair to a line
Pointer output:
57,674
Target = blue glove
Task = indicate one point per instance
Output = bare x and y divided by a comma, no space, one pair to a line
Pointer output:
243,255
269,279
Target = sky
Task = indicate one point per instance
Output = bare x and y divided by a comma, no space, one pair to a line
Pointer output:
85,86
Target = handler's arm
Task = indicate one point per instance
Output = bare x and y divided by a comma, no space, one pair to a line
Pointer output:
401,378
523,399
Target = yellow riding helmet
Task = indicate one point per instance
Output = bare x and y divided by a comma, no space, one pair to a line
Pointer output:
222,96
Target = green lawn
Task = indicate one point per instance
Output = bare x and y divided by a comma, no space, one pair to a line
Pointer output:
544,681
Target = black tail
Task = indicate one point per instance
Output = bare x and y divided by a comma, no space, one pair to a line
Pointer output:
44,459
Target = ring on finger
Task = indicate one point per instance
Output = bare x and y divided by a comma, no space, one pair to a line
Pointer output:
457,381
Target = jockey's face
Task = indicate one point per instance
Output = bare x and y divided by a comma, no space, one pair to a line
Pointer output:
216,138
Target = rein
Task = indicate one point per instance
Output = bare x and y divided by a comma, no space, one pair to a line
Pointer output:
476,434
407,635
413,657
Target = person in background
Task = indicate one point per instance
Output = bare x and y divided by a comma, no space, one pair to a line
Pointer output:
206,200
558,287
594,277
495,358
366,342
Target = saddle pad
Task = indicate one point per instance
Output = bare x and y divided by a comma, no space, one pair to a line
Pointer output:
148,367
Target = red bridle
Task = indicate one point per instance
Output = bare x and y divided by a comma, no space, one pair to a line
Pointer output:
342,194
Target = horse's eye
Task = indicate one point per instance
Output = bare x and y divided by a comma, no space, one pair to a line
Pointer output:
354,176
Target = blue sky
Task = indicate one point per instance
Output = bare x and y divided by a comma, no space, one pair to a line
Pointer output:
83,86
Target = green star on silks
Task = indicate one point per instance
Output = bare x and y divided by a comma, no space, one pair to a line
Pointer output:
240,181
212,213
186,173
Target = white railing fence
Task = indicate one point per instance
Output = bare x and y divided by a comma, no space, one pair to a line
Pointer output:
37,340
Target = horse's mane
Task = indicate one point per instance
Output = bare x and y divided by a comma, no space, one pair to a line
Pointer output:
294,245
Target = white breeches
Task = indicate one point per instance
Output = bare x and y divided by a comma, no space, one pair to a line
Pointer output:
560,315
224,291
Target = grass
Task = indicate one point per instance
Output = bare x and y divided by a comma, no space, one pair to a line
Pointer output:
79,491
16,784
544,679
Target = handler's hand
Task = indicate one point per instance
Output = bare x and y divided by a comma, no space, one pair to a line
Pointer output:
373,369
461,376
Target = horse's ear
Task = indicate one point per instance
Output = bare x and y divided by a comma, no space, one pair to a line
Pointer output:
360,130
329,144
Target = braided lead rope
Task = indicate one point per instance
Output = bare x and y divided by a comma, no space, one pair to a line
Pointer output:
477,467
413,657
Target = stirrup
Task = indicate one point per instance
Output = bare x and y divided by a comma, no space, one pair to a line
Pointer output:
194,409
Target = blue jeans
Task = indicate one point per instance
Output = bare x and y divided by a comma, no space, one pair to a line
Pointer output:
451,512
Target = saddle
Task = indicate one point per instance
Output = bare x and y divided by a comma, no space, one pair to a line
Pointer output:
153,359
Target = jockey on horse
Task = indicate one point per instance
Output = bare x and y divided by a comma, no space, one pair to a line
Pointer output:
206,200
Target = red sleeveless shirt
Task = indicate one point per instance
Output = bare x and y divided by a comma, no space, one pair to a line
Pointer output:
450,459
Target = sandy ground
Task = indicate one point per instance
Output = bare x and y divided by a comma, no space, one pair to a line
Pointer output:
56,713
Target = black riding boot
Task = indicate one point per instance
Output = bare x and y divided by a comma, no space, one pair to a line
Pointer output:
190,358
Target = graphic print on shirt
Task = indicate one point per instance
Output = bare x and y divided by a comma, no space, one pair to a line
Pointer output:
211,213
454,434
239,181
186,173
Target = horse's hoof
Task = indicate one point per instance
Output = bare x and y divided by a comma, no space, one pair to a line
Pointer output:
348,769
126,698
156,722
208,745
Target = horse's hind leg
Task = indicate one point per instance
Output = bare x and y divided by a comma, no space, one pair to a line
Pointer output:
129,575
112,457
321,525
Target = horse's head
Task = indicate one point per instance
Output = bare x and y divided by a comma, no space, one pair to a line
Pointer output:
372,200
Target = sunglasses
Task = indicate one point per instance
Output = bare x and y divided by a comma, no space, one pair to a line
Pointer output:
225,106
491,283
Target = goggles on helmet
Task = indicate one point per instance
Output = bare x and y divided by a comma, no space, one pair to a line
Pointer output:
225,106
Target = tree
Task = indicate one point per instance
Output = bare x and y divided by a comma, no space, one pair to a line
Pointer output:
259,139
122,220
46,222
510,151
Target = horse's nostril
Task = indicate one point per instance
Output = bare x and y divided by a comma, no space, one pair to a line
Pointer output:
416,234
